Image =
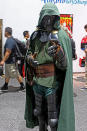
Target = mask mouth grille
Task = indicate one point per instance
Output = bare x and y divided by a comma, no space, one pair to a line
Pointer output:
53,37
45,37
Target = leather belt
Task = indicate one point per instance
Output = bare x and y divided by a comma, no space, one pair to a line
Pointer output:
44,71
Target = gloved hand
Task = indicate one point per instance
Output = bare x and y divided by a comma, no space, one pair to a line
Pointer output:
57,52
31,61
53,50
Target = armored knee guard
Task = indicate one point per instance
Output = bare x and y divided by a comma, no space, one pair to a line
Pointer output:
38,104
52,112
53,124
38,112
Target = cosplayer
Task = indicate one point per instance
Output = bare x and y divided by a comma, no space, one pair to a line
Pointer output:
49,86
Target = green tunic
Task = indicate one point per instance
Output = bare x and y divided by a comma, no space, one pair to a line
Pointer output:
66,118
43,58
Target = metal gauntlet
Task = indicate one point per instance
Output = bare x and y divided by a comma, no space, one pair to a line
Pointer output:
56,51
31,61
61,58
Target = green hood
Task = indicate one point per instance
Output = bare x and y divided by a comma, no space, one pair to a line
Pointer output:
50,9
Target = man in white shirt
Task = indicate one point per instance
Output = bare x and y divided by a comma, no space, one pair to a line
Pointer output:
26,40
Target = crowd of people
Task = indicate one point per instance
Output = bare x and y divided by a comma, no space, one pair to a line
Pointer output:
14,68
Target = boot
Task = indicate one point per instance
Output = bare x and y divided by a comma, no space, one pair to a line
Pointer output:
4,88
22,87
42,124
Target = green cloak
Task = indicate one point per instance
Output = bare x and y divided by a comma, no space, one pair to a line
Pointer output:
66,117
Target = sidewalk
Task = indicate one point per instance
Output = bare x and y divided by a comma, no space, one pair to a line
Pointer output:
12,106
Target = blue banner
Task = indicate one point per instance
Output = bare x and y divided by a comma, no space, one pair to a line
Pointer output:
73,2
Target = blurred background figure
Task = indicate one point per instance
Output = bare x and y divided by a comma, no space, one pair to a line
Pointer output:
84,48
85,27
26,39
9,60
74,55
26,42
64,27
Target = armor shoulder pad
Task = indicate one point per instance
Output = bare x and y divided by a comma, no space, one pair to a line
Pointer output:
34,35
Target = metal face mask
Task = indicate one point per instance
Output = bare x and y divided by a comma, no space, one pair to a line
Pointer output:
48,22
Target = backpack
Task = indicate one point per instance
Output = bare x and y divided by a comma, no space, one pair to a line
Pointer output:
20,50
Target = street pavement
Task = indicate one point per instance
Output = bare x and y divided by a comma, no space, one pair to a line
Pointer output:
12,106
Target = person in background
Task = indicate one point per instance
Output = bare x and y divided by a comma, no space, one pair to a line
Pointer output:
26,40
11,70
85,27
74,55
85,41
